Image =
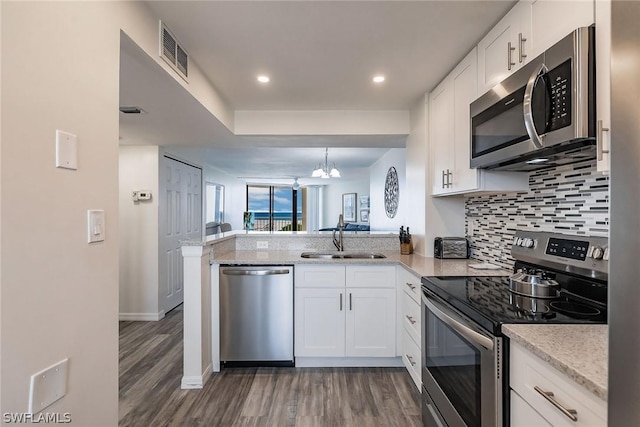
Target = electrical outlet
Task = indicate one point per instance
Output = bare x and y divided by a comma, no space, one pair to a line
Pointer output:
471,228
262,244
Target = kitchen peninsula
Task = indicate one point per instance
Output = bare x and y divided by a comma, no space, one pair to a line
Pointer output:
203,259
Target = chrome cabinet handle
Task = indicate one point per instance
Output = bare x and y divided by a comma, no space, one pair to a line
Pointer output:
411,286
527,108
449,178
443,175
410,359
350,302
340,301
570,413
600,140
521,53
509,50
413,322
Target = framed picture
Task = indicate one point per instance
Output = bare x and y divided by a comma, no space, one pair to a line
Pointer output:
364,215
364,202
349,207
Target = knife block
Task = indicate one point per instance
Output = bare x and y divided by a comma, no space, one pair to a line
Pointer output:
406,248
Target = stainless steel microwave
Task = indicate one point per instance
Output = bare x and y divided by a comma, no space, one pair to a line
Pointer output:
543,114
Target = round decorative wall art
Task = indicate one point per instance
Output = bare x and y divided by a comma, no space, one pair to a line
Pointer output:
391,193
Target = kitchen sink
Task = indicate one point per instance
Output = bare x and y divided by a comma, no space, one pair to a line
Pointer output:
342,255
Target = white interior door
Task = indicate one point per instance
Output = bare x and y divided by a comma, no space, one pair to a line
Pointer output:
180,219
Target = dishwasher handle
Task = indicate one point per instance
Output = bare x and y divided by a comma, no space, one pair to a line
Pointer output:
242,272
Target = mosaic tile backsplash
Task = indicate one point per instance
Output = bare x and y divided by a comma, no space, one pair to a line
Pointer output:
570,199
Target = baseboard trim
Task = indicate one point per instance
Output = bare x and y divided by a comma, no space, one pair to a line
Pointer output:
141,317
349,362
196,381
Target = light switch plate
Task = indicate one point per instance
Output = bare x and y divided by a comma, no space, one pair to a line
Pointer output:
95,225
47,386
66,150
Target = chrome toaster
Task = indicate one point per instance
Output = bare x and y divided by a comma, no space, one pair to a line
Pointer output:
451,247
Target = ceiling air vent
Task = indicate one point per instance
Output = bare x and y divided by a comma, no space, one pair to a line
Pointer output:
172,52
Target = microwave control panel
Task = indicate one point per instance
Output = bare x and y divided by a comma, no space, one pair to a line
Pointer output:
559,89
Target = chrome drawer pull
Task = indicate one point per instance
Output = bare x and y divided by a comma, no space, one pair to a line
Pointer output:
412,287
413,322
410,359
570,413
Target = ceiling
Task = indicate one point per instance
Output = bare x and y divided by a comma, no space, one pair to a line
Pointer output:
320,55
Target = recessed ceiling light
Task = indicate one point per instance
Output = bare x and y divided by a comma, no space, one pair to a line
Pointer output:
264,79
378,79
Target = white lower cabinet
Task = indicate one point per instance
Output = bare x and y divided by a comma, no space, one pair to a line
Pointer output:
410,318
370,322
411,356
342,317
319,322
549,395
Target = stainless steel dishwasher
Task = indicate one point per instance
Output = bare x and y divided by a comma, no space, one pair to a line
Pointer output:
256,315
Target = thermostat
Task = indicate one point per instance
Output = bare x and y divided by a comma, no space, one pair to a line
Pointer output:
141,195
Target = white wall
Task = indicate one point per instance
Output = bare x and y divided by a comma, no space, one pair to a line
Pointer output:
378,174
416,153
331,195
138,297
59,295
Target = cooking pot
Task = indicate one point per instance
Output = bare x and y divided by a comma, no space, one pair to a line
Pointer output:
533,285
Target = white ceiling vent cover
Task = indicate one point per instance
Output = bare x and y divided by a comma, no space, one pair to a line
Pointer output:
173,53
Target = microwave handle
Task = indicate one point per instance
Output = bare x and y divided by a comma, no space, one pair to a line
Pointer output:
458,325
528,110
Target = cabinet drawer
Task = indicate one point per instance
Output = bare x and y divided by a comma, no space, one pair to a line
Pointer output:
411,285
319,276
411,357
411,316
371,276
523,415
529,371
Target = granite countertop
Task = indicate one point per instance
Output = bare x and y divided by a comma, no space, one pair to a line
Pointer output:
419,265
580,351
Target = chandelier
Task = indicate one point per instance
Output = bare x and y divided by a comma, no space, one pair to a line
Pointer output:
323,171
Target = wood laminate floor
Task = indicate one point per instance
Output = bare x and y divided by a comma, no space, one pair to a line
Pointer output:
150,394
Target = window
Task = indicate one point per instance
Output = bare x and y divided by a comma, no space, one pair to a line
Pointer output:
273,208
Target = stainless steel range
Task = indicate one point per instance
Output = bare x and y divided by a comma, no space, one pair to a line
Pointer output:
557,279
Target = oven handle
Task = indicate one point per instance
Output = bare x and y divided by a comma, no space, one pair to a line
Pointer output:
459,326
528,109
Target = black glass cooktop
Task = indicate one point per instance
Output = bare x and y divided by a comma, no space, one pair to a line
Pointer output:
488,301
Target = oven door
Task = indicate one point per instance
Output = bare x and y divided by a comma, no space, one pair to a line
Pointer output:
461,368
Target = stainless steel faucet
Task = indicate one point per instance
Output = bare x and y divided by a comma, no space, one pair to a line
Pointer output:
338,243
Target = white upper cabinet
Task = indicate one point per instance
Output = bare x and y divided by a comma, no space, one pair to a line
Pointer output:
465,89
603,82
505,48
441,142
552,20
449,138
449,106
